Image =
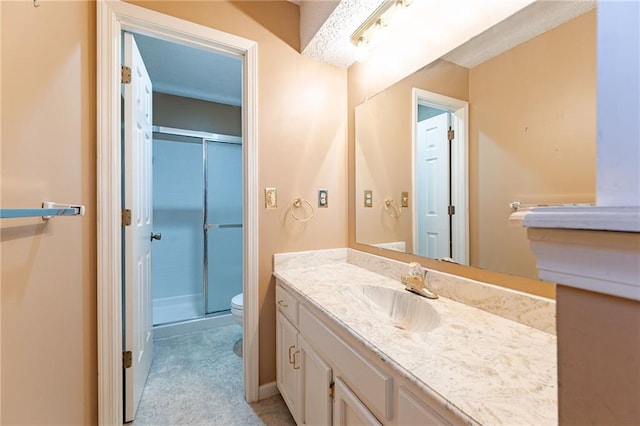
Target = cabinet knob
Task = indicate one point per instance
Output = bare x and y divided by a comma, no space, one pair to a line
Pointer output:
282,304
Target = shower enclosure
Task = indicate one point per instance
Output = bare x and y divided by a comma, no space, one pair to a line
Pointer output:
197,207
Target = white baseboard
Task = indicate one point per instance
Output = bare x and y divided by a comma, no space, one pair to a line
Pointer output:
268,390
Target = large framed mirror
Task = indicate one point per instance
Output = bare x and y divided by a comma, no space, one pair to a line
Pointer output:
503,122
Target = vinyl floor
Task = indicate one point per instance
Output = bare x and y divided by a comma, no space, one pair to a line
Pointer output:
196,379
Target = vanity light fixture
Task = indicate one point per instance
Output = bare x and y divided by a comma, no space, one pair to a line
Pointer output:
374,27
362,51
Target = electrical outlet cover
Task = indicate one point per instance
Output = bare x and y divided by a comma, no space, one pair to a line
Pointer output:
323,198
270,198
368,198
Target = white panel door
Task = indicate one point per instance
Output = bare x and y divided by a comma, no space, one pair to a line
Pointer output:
432,186
137,237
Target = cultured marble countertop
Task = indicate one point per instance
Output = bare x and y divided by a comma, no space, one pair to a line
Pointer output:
485,368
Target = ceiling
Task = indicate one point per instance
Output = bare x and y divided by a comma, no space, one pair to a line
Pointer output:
330,40
182,70
531,21
326,28
191,72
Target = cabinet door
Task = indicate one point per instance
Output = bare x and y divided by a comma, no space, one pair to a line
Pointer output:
316,384
348,409
288,365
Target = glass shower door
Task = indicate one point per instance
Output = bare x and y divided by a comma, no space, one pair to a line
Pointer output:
177,213
223,228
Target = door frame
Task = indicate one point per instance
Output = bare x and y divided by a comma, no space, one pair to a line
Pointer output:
113,17
459,110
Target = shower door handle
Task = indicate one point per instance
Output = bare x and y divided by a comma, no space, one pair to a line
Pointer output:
209,226
157,236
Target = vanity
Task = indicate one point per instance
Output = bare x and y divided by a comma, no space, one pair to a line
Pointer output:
353,347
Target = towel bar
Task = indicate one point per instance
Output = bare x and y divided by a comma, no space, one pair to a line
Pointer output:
49,209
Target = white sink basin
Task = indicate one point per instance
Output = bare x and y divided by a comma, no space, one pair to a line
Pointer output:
403,309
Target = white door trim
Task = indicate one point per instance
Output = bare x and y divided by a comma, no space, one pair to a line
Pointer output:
459,166
112,18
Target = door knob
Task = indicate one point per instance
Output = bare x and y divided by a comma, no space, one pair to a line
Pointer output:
157,236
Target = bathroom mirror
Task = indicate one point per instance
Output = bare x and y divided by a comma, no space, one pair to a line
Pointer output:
520,110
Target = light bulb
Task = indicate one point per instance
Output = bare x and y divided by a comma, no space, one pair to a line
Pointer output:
400,10
362,50
378,32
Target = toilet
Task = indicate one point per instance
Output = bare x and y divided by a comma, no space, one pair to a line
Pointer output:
237,309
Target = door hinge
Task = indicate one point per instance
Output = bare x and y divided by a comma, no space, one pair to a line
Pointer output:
332,389
126,217
125,74
127,359
451,134
451,210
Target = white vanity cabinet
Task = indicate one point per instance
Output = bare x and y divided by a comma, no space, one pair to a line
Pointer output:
315,360
303,378
398,359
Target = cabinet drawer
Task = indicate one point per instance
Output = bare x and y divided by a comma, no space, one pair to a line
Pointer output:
349,409
412,411
286,304
372,385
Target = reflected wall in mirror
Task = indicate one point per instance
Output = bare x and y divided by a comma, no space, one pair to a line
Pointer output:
524,124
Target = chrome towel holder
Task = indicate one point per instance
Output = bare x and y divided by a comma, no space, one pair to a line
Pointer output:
49,209
299,203
392,208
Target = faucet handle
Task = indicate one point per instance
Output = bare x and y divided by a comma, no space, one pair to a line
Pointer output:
415,269
416,281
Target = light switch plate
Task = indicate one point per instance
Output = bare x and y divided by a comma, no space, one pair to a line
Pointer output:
323,198
270,198
404,199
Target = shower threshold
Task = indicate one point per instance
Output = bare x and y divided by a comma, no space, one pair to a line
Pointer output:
190,326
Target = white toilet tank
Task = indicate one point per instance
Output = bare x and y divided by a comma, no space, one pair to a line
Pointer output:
237,308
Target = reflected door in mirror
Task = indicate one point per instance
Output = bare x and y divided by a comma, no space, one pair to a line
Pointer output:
433,187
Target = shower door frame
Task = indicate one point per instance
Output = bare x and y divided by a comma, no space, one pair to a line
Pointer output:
203,138
113,17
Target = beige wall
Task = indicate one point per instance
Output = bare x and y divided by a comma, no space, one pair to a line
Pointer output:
48,272
301,136
195,114
532,115
598,358
49,361
532,138
383,149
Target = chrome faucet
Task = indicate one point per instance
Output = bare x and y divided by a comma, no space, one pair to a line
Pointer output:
415,282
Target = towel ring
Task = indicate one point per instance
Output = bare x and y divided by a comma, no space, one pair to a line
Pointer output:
392,208
297,203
